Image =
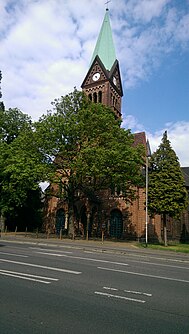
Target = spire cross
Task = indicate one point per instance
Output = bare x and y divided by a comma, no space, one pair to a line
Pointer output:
106,3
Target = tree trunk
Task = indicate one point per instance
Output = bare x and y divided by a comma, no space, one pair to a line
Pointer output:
165,229
2,223
71,223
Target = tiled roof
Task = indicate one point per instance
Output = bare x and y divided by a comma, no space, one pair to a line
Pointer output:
140,138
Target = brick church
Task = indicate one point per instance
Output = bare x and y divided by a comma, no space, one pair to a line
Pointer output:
113,216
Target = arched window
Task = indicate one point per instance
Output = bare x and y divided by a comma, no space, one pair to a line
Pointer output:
90,97
95,97
100,96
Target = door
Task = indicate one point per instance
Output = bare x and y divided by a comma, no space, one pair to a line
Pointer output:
60,220
116,224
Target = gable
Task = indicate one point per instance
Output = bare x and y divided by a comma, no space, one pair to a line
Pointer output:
96,67
115,77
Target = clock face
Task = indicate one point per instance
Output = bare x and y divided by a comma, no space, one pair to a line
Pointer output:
114,81
96,76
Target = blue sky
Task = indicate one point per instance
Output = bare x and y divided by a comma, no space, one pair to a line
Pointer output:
46,47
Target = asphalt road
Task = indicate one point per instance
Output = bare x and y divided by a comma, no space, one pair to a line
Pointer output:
68,288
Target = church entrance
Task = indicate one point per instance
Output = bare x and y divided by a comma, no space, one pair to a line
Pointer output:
60,220
116,224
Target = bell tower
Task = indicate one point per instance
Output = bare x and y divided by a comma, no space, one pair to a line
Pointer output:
102,83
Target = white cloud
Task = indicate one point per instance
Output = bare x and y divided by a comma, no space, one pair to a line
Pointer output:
146,10
46,47
178,134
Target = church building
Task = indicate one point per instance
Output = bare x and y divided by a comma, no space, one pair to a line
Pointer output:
113,217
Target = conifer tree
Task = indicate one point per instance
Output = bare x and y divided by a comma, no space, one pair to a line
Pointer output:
167,195
1,103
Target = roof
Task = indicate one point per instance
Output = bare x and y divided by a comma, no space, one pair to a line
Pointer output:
140,138
185,171
105,47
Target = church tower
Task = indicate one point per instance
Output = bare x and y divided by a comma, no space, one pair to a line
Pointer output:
102,83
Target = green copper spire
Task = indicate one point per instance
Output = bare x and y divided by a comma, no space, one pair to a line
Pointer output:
105,46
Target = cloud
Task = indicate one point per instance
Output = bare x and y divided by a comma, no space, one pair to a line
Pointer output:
146,10
178,134
46,47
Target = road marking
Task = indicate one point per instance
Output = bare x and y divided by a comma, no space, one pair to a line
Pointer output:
28,275
50,250
119,297
145,275
159,264
43,267
139,293
129,291
95,260
25,278
158,258
52,254
13,254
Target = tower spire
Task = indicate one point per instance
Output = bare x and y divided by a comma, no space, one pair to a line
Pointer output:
104,48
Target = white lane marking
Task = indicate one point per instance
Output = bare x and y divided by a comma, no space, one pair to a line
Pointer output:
159,264
107,288
43,267
145,275
119,297
129,291
95,260
28,275
50,250
52,254
26,278
139,293
19,255
158,258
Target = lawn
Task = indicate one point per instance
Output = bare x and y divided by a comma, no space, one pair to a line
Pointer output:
183,248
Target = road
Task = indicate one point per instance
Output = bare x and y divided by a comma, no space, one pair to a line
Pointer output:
68,288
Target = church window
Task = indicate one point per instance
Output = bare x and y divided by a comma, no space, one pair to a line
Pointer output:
90,97
100,96
95,97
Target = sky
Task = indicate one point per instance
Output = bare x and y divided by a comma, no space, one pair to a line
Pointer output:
46,47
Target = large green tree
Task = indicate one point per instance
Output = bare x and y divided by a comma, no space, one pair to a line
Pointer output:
86,150
20,162
167,193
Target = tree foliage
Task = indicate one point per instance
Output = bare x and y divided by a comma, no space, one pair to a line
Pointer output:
20,162
85,148
167,191
1,103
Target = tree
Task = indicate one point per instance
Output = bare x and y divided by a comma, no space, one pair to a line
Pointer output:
167,194
86,150
1,103
20,162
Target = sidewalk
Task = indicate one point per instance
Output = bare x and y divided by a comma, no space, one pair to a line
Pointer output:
106,245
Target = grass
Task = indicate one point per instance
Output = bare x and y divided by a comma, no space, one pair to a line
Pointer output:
182,248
